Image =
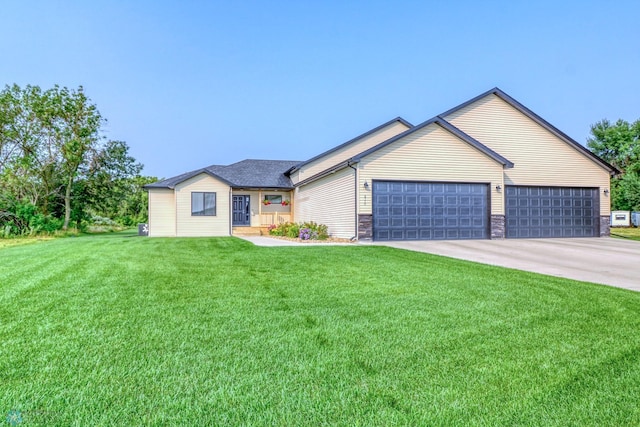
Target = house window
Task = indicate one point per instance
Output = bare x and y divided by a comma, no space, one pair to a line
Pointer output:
273,198
203,204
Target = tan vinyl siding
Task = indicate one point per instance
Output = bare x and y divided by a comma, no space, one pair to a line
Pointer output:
188,225
540,158
430,154
329,201
348,151
162,212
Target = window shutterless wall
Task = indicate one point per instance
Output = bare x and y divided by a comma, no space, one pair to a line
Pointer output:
202,225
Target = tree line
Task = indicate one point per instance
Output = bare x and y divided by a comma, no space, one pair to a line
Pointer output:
619,144
57,170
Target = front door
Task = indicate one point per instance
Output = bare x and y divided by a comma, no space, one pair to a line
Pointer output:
241,210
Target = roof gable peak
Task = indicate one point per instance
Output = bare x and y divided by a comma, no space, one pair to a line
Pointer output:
538,120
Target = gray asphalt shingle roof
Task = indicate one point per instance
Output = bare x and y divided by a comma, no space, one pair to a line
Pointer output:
244,174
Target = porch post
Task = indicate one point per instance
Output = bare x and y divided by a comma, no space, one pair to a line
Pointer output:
259,208
291,218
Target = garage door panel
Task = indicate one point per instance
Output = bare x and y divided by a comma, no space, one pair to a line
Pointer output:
430,211
397,234
411,234
397,200
425,234
397,222
438,234
395,187
551,212
382,211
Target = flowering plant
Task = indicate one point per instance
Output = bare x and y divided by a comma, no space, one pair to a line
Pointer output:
266,202
308,234
285,203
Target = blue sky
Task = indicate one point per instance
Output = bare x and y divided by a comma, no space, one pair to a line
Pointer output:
192,83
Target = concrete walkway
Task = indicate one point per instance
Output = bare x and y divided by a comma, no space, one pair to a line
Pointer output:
605,260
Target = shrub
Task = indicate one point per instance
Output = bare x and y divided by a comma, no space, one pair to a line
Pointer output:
277,230
304,231
319,230
293,231
101,220
18,218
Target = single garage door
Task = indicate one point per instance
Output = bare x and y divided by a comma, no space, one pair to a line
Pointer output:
430,211
552,212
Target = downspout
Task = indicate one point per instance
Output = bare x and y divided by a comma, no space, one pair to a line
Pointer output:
175,213
355,205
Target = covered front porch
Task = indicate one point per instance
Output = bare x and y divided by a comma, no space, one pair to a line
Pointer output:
253,211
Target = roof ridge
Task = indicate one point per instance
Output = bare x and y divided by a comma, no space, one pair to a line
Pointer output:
352,140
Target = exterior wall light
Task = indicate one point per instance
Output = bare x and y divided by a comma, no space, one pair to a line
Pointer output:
366,185
498,188
606,192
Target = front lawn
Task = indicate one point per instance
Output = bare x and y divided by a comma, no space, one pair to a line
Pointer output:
17,241
124,330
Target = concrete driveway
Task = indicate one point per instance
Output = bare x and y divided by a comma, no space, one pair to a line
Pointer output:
605,260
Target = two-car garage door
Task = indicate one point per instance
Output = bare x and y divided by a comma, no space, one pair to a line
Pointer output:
552,212
404,210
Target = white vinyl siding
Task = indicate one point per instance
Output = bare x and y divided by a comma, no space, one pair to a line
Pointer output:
345,153
430,154
540,158
329,201
162,212
190,225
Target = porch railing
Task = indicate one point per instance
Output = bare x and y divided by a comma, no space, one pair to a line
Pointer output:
272,218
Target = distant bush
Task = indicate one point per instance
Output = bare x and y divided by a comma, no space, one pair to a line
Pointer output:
101,220
19,218
102,224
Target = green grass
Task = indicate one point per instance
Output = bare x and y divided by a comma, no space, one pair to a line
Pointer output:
122,330
17,241
627,233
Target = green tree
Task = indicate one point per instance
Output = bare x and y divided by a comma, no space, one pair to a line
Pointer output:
619,144
113,185
626,194
55,165
74,122
27,158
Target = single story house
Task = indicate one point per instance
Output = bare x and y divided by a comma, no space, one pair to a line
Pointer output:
489,168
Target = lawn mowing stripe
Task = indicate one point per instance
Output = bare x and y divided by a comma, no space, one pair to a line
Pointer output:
121,330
